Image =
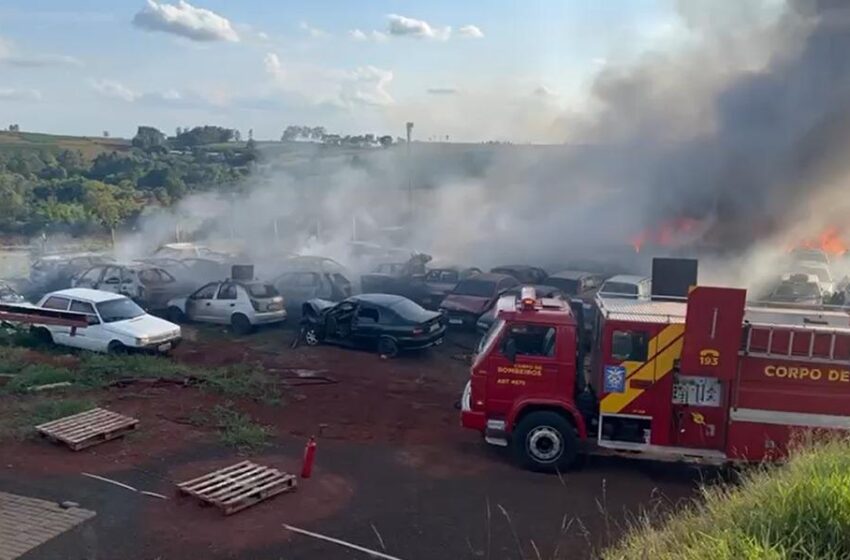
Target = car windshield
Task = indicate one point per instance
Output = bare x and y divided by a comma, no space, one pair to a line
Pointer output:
487,340
797,289
262,290
567,285
821,273
119,309
620,288
474,287
411,311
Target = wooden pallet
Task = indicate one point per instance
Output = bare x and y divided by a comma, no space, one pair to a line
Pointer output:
87,428
238,486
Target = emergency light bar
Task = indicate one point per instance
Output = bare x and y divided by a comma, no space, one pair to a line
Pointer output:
528,297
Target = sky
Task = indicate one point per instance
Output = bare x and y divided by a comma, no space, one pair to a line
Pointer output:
466,71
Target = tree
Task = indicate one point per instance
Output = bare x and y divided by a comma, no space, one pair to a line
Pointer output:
149,139
108,205
386,140
14,128
202,135
237,136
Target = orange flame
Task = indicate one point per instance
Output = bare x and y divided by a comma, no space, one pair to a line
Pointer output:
829,241
667,234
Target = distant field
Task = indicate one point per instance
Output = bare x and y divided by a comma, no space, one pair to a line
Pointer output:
89,146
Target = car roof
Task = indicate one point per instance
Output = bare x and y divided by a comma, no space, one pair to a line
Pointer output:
488,277
573,274
628,279
94,296
514,267
378,299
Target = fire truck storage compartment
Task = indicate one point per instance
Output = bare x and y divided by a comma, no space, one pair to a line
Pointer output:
625,428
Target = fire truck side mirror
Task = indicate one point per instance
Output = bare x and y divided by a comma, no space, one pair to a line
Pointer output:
510,349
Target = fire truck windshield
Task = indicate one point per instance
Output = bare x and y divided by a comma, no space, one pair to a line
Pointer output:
488,340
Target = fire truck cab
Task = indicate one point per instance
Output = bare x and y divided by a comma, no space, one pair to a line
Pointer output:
707,379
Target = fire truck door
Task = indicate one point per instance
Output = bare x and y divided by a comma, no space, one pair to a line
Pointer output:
525,363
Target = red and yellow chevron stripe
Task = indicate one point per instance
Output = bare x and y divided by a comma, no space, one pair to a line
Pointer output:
664,349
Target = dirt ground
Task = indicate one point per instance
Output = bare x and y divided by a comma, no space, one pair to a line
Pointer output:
394,471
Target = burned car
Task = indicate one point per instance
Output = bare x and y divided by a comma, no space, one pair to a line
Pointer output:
577,283
797,288
9,294
426,286
388,323
394,277
149,286
54,272
473,296
524,273
305,278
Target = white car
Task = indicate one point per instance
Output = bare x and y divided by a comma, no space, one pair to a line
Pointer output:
116,323
627,286
242,305
821,272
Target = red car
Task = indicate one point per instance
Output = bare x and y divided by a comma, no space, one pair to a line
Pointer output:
473,296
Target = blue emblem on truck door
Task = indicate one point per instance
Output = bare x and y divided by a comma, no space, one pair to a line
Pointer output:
615,379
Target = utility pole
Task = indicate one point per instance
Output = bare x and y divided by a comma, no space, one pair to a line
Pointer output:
409,170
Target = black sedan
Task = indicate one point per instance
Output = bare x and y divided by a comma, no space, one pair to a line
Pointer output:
388,323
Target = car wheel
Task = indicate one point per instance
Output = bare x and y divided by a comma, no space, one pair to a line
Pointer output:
240,324
387,346
175,315
117,348
42,335
311,336
545,441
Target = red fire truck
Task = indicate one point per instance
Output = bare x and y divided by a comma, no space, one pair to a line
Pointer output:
708,380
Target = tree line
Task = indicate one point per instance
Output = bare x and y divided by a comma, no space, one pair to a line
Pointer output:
52,189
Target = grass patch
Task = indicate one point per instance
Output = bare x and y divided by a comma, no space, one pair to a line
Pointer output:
19,420
238,430
38,374
244,381
97,370
12,359
799,511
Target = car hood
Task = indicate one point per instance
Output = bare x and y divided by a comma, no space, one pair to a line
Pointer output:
144,325
179,303
467,304
320,305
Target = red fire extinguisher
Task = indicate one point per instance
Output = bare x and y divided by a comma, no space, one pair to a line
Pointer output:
309,458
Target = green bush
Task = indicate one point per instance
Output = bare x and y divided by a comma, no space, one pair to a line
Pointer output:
799,511
238,430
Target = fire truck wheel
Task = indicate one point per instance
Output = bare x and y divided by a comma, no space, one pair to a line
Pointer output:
545,441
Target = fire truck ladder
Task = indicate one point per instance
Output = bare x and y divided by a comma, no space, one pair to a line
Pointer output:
789,351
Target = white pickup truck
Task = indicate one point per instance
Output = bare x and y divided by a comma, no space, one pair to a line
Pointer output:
115,323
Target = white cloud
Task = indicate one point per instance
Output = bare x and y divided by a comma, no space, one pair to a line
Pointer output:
185,20
16,94
11,56
443,91
360,35
313,32
364,85
471,31
408,27
116,90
